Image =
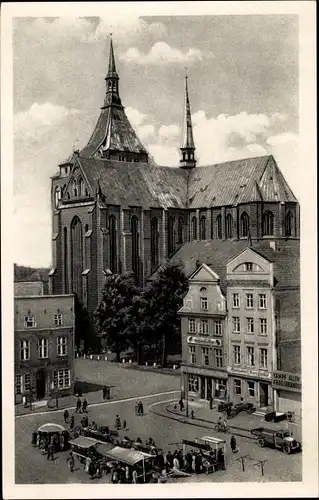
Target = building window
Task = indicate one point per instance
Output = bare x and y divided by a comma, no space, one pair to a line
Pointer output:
62,346
249,325
268,224
235,298
192,325
192,354
203,327
218,327
248,266
75,189
251,356
43,347
18,383
220,387
219,358
58,319
236,324
154,243
76,247
237,354
194,228
135,247
249,300
192,383
204,303
61,379
237,385
262,301
205,356
288,224
219,227
262,326
22,383
171,235
263,358
244,225
251,389
202,235
113,244
65,260
180,230
24,350
81,186
29,322
229,226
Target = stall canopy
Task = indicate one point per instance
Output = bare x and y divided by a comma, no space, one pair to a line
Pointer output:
212,440
51,428
84,442
128,456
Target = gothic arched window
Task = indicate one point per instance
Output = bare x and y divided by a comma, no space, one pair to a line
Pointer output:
154,243
113,244
202,228
76,256
244,225
219,227
229,226
288,224
268,223
75,188
65,260
80,186
194,228
57,196
180,230
171,235
135,247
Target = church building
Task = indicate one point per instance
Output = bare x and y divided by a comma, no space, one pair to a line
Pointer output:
114,210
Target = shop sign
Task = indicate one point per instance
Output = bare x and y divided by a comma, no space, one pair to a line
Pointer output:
251,373
204,340
286,380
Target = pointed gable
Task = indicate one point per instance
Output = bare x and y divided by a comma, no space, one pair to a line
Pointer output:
78,186
204,273
272,184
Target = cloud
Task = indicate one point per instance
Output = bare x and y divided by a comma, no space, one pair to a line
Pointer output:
163,53
286,137
135,116
52,31
40,119
126,28
169,132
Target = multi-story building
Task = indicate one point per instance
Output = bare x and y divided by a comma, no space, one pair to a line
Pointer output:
43,344
204,342
251,328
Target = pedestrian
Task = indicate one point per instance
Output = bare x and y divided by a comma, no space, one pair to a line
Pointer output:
134,476
72,423
194,462
93,426
175,463
181,405
78,406
104,390
124,424
70,459
141,408
211,400
34,438
233,444
66,416
50,452
115,477
192,414
117,422
108,393
87,464
38,439
84,406
127,474
169,459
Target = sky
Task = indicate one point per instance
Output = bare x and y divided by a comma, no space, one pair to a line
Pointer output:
243,88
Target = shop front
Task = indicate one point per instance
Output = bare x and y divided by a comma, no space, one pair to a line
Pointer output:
287,388
204,384
252,387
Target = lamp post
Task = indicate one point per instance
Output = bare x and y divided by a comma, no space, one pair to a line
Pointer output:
186,387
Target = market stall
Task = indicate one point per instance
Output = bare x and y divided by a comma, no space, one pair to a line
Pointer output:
212,450
52,433
84,448
143,462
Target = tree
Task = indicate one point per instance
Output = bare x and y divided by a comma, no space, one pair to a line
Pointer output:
83,326
158,307
113,315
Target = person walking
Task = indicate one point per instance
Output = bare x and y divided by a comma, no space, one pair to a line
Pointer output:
117,422
141,408
70,459
78,406
233,444
211,401
108,393
50,453
175,463
104,391
134,476
85,406
72,423
181,405
66,416
124,424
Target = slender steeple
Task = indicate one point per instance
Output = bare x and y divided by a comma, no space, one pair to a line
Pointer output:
188,147
112,81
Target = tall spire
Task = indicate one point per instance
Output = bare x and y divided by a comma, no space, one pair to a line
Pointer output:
112,81
188,147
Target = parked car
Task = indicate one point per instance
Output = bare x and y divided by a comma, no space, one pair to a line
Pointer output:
248,407
281,439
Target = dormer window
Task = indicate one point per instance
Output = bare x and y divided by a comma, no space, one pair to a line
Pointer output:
248,266
204,303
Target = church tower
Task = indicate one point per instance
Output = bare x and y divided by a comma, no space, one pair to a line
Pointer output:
187,160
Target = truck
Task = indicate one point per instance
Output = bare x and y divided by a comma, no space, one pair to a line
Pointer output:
280,439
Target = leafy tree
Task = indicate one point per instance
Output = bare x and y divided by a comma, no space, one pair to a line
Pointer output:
113,315
158,304
83,327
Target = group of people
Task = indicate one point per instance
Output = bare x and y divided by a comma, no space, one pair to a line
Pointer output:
106,392
81,406
50,444
139,408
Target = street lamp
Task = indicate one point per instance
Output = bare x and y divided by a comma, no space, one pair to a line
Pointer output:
186,387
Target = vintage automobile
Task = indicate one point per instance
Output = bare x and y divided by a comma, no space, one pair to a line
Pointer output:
280,439
248,407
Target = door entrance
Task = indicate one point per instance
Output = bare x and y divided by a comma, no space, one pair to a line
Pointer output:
40,384
263,400
202,387
209,388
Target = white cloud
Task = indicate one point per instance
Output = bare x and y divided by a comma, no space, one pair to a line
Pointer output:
125,28
146,132
54,30
169,132
135,116
164,154
39,119
286,137
163,53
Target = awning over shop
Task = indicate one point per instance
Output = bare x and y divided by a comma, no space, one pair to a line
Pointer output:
84,442
128,456
51,428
